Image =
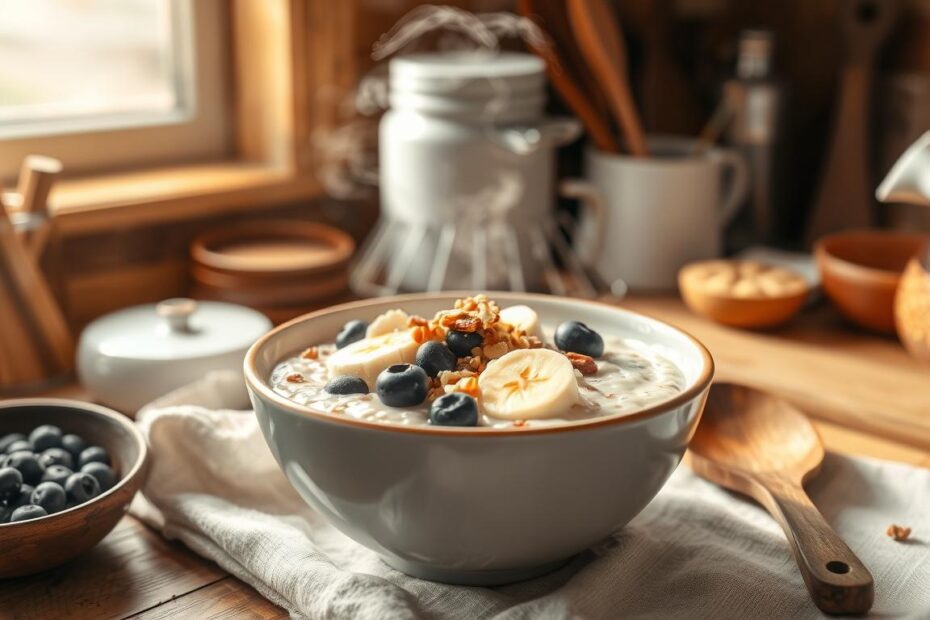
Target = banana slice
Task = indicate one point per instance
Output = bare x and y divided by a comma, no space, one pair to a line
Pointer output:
524,318
390,321
369,356
528,383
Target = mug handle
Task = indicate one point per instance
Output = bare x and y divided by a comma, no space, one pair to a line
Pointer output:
738,186
594,207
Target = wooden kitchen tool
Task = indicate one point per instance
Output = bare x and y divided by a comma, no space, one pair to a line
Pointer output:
36,343
35,183
844,198
567,71
598,36
760,446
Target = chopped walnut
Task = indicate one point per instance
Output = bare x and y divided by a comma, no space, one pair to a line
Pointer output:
494,351
583,363
469,385
466,324
898,532
295,378
519,422
311,354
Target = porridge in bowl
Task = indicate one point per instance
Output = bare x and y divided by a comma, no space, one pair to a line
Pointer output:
476,365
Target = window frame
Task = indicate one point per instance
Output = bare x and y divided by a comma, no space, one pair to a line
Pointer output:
198,131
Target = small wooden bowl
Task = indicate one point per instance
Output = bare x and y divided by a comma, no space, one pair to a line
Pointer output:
280,248
33,546
754,309
860,271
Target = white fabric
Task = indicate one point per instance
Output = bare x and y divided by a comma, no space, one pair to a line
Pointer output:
697,551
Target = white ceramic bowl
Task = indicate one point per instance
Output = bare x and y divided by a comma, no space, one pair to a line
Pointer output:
478,506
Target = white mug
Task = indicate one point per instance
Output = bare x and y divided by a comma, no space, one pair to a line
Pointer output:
661,212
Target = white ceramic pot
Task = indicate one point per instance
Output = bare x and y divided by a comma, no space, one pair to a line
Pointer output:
467,160
131,357
478,506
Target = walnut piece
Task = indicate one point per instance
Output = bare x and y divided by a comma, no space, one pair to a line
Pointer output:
311,354
295,377
584,363
898,532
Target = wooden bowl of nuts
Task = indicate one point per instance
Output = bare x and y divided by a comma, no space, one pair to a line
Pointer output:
742,293
68,471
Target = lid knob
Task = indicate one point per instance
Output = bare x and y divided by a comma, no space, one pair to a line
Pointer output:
177,312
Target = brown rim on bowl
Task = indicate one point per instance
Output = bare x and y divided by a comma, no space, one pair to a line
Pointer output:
92,409
825,249
260,385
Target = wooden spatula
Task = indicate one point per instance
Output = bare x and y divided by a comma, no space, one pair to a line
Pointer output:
601,43
566,74
753,443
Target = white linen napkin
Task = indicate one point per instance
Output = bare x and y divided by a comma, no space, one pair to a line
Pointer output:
696,551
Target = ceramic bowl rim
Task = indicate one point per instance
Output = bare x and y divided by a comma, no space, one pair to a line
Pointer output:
92,409
260,387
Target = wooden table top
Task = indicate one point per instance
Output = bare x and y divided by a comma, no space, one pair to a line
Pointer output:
866,396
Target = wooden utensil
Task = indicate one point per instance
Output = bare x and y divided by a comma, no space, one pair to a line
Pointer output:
34,324
601,42
36,177
844,198
760,446
567,73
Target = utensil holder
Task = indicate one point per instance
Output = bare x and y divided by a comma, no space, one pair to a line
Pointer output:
35,342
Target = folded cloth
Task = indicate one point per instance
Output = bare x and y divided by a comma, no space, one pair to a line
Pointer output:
696,551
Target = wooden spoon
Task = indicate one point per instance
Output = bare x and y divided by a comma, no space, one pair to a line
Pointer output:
601,43
567,74
758,445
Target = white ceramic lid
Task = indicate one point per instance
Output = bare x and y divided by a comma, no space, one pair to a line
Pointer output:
175,329
468,74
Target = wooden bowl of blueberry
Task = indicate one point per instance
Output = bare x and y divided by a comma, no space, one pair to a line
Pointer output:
68,471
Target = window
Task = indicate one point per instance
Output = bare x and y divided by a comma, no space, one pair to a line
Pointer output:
109,84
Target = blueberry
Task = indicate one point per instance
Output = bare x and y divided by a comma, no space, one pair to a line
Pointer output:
45,437
56,456
7,440
93,454
462,343
19,446
434,357
346,384
81,488
104,475
73,444
28,465
27,513
58,473
5,512
50,496
454,409
11,481
402,385
353,331
576,337
25,497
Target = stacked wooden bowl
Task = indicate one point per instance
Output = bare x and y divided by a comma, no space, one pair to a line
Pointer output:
282,268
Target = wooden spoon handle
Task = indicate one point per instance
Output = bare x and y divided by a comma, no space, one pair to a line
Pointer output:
601,43
838,582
